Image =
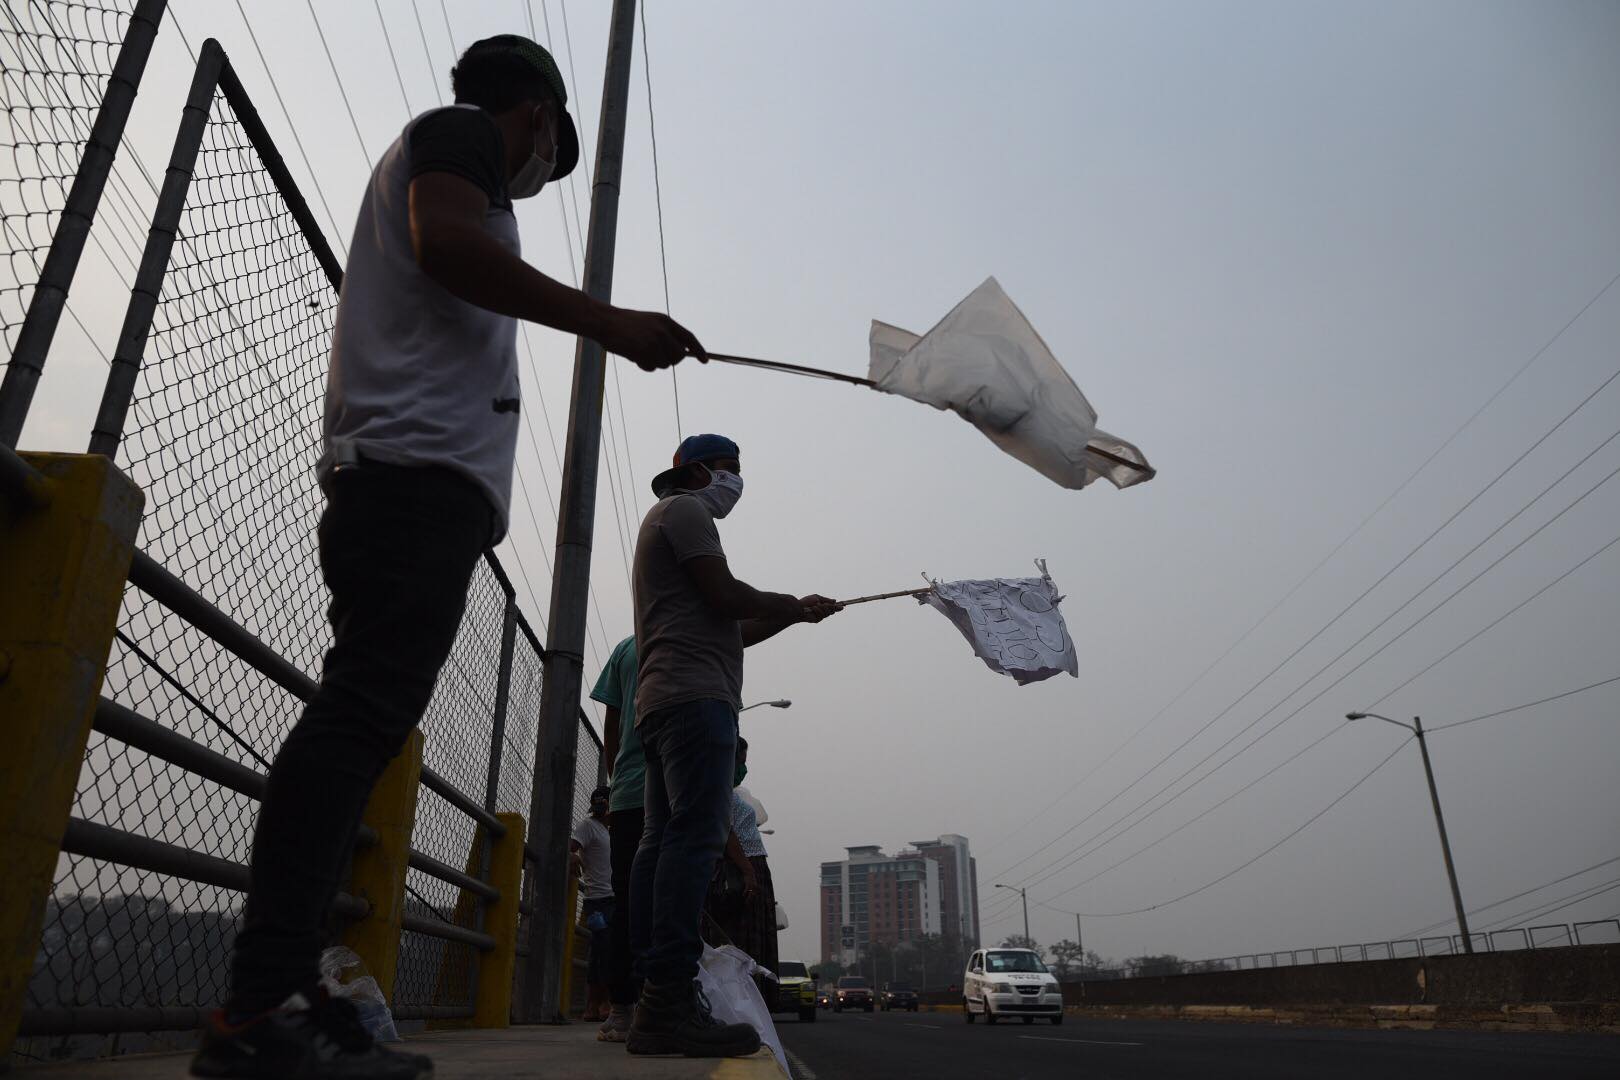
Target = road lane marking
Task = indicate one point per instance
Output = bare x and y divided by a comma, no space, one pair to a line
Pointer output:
864,1019
1091,1042
801,1071
930,1027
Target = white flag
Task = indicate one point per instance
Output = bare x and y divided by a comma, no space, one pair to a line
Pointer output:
1013,624
985,362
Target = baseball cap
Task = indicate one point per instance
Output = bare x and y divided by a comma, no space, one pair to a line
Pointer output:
694,448
536,56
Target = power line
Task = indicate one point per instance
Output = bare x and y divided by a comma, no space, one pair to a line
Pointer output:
1422,466
1526,705
1570,900
1518,460
421,32
344,94
658,195
1349,672
1516,896
1250,862
320,193
382,22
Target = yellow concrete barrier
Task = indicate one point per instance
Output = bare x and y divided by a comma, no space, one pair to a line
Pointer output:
63,566
378,873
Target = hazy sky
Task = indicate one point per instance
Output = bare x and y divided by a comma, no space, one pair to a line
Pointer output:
1286,248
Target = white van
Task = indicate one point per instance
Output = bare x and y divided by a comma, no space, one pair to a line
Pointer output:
1010,982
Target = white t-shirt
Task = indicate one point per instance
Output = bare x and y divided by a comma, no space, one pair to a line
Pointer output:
418,376
596,883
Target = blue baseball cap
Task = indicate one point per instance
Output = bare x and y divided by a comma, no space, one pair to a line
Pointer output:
694,448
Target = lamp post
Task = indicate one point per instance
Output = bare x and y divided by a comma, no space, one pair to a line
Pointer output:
779,703
1416,728
1023,894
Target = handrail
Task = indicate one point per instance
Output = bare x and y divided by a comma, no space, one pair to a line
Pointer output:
143,733
21,483
158,582
454,796
449,874
438,928
97,841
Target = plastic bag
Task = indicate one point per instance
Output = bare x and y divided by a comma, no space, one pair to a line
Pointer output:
726,975
344,975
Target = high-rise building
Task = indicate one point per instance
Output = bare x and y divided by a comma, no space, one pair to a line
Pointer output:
958,886
872,898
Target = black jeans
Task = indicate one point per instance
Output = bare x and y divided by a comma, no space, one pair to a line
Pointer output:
398,547
624,834
691,752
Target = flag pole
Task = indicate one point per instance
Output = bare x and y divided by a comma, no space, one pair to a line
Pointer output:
822,373
884,596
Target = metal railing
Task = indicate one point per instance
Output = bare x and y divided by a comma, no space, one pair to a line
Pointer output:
213,407
1547,936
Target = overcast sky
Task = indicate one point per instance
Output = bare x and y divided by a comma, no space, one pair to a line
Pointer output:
1286,248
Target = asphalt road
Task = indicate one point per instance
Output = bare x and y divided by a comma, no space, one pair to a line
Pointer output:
924,1045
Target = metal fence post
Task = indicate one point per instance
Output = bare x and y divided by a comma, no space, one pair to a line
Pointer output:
62,572
503,691
46,305
143,298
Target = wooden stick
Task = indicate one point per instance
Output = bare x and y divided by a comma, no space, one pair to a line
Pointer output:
883,596
819,373
777,365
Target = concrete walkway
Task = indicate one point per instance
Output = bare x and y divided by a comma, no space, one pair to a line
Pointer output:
568,1052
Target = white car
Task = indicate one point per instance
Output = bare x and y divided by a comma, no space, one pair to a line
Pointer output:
1010,982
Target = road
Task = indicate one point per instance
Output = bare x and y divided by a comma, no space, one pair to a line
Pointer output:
941,1045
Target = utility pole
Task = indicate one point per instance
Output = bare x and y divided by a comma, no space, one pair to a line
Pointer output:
1079,941
1023,894
551,801
1445,844
1416,728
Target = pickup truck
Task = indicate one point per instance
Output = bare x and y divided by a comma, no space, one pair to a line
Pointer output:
795,991
898,996
854,992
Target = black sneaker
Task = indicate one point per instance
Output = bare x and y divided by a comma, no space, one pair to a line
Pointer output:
677,1020
314,1037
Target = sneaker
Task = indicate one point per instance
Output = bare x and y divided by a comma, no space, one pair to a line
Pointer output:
616,1027
310,1037
676,1020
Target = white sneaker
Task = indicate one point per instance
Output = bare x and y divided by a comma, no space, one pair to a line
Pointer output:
616,1028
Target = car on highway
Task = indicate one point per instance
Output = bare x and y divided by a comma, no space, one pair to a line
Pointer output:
898,995
853,992
1010,982
795,991
824,997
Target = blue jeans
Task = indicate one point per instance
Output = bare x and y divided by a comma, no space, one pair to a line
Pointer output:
691,752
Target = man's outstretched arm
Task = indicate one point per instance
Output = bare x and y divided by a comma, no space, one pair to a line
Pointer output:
453,248
761,613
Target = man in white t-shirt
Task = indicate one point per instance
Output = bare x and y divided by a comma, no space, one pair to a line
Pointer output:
590,854
422,416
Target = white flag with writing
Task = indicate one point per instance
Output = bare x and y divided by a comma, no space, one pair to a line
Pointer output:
1013,624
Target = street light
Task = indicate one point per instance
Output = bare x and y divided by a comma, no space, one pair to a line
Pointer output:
779,703
1416,728
1023,894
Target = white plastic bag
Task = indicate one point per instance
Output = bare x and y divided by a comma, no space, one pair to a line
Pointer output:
726,975
344,975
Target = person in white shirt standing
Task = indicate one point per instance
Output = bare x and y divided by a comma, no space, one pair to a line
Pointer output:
422,414
589,853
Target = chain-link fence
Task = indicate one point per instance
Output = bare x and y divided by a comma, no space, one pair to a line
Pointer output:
55,59
216,415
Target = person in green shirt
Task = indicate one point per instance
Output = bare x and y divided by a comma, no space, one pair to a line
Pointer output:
616,690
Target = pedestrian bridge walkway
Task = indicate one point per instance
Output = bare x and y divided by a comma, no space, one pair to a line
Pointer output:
559,1052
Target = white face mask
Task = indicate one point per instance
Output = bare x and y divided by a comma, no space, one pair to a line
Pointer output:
724,489
535,172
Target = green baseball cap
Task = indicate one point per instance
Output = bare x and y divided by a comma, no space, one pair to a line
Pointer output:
538,58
